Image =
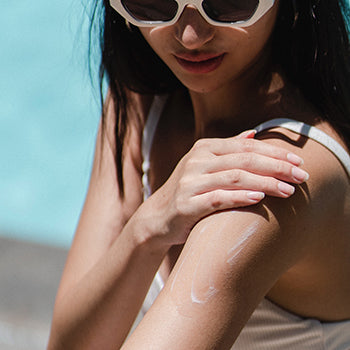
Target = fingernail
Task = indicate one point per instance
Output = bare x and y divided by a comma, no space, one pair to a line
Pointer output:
296,160
300,175
256,196
248,134
286,189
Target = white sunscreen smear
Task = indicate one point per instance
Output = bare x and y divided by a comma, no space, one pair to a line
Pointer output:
208,290
234,252
203,276
189,254
201,291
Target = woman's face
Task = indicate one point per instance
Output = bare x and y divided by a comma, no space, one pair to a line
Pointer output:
206,57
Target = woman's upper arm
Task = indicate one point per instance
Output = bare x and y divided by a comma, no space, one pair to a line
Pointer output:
104,213
228,264
232,259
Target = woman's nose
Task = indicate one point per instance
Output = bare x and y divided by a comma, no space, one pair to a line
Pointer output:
192,30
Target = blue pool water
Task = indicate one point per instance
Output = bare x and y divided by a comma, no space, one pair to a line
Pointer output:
48,115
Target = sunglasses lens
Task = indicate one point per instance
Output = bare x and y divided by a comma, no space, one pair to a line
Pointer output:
230,11
151,10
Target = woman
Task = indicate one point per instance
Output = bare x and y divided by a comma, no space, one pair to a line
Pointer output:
239,271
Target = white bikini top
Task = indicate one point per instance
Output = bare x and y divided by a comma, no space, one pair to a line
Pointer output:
270,327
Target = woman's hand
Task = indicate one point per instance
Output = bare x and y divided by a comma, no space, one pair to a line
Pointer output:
219,174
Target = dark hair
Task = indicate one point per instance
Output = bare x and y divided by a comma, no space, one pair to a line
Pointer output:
310,43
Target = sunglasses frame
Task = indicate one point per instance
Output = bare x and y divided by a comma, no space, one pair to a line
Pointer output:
263,7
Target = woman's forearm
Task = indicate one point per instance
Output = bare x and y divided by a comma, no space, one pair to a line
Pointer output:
98,312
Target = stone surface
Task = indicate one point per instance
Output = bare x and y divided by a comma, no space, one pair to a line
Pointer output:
29,277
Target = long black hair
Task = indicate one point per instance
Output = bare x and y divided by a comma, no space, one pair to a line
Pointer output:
310,42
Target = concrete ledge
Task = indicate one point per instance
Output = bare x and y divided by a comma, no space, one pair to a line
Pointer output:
29,277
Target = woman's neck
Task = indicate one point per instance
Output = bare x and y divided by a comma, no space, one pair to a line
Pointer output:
241,105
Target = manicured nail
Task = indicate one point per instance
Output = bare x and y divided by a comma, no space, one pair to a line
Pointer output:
296,160
248,134
286,189
256,196
300,175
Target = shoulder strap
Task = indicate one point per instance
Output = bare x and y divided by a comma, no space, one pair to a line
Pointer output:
147,139
312,133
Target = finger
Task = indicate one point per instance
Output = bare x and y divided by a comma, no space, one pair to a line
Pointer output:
258,164
220,200
232,180
249,134
246,145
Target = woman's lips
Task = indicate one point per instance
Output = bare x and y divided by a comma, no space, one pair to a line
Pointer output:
200,64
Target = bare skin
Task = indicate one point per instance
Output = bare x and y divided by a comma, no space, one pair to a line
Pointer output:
336,227
295,250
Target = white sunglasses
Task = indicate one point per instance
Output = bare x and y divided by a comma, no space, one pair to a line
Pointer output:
228,13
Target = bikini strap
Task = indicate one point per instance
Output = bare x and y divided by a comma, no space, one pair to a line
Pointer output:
312,133
147,139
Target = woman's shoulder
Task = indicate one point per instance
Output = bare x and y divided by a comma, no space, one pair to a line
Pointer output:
323,148
292,248
325,156
136,112
318,213
139,105
137,109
